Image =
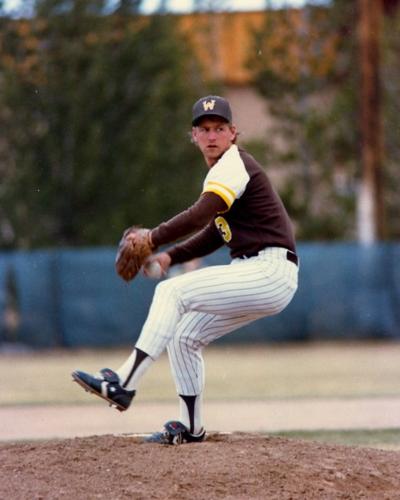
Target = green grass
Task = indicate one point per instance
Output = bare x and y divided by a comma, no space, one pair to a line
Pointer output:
385,439
241,372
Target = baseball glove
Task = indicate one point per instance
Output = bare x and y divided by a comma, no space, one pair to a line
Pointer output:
134,248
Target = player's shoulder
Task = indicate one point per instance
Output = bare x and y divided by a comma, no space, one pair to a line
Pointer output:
229,162
228,173
249,161
256,172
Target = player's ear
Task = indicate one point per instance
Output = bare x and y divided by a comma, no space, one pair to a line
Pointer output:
194,135
233,132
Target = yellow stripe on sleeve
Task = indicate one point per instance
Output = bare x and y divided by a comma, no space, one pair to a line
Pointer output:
223,191
229,190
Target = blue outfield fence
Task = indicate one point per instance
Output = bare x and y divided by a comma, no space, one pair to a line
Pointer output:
73,298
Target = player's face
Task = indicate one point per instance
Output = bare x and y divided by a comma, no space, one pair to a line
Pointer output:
213,136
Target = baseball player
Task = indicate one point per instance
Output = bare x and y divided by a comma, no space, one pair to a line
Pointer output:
237,207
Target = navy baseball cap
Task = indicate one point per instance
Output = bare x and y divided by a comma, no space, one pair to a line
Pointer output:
211,105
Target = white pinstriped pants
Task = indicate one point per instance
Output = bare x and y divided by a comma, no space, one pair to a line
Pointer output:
191,310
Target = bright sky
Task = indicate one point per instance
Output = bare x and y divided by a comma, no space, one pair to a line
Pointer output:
186,5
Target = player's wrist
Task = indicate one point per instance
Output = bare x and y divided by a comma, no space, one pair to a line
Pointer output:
154,238
152,243
171,252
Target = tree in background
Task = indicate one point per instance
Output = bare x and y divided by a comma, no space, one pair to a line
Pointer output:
96,110
308,69
303,57
371,204
390,78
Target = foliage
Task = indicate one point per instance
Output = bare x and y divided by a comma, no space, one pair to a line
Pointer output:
391,121
304,69
96,109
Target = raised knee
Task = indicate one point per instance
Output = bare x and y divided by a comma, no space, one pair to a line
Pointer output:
162,286
165,288
167,292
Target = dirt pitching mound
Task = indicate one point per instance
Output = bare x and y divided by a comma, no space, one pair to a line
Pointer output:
237,466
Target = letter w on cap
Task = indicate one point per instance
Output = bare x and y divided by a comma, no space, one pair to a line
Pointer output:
209,105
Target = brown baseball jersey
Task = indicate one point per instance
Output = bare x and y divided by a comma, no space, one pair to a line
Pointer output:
238,207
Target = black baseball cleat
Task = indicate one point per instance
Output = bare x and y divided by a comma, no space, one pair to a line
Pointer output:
175,432
106,386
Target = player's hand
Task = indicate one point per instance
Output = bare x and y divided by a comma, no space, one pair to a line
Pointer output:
157,265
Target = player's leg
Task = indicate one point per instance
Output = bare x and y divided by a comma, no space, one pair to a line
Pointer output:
185,349
176,297
185,354
119,387
196,329
252,287
172,300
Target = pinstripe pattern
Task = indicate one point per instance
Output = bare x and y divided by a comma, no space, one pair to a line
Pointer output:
190,311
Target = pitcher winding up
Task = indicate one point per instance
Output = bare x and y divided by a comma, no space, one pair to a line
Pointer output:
237,207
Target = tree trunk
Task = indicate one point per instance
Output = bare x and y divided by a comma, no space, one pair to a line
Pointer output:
370,202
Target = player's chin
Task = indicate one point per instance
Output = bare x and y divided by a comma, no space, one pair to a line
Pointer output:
212,153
